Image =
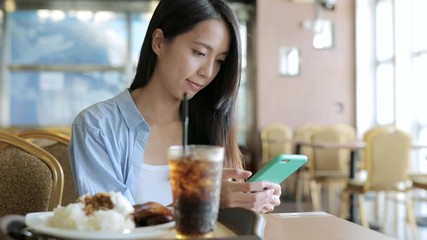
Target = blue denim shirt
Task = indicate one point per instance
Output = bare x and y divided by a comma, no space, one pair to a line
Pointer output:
107,147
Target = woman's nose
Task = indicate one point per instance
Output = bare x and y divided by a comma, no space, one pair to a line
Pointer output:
207,69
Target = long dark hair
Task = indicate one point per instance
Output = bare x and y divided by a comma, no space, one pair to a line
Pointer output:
212,110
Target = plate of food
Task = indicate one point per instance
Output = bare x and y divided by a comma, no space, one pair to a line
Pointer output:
103,216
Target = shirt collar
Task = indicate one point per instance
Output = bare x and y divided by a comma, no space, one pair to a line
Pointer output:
129,110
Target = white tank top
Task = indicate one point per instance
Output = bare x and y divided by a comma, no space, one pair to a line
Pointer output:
154,185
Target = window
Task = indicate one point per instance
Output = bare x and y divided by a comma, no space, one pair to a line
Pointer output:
63,61
385,82
385,93
419,73
400,60
419,56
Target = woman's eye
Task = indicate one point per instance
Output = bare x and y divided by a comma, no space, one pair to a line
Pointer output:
220,61
197,53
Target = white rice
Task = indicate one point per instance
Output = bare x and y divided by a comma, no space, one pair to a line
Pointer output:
73,216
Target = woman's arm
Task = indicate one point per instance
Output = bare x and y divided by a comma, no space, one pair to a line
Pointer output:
93,168
260,197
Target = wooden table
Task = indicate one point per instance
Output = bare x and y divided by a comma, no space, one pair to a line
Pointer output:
315,225
353,146
280,226
421,183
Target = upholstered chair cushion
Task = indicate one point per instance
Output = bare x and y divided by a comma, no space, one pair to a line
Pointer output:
25,182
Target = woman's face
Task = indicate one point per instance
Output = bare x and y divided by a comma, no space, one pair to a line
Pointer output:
191,60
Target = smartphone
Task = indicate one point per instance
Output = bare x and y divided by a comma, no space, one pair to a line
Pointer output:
279,168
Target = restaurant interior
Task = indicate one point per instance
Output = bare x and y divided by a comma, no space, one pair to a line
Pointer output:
340,81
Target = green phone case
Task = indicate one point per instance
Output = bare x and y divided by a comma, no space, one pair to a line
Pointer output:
279,168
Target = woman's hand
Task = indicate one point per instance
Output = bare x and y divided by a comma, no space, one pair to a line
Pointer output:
260,197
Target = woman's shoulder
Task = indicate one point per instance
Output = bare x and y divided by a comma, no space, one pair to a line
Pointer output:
104,110
98,109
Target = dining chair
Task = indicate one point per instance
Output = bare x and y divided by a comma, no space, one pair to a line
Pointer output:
368,134
66,130
31,178
387,157
329,168
303,134
56,143
361,168
275,140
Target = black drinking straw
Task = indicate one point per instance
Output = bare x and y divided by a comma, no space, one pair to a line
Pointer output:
185,124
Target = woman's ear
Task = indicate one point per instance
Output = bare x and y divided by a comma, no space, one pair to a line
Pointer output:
158,40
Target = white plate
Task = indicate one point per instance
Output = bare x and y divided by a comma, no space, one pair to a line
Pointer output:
37,221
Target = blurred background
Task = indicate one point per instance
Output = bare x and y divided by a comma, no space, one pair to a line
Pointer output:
351,65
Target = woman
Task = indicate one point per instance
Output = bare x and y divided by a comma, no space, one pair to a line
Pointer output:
192,47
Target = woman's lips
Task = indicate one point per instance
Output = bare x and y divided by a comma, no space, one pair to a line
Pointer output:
194,86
